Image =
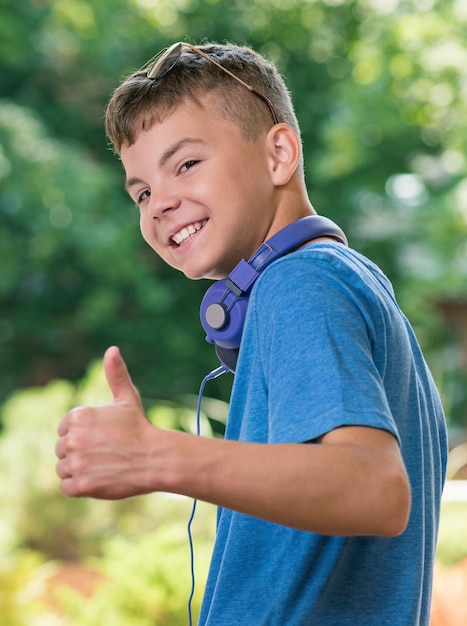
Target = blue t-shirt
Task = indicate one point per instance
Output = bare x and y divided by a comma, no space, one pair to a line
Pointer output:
325,345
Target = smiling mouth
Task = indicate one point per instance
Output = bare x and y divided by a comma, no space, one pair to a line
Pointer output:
187,232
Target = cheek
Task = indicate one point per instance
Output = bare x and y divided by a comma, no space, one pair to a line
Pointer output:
143,228
148,234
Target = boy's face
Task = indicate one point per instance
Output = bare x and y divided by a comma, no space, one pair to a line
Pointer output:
205,194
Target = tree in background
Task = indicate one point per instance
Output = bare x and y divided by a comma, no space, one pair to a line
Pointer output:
379,88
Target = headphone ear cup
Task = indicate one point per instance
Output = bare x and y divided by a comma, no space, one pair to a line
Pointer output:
223,315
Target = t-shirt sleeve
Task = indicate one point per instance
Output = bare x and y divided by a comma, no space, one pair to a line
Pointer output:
317,331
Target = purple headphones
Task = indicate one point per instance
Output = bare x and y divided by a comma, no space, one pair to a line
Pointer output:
224,306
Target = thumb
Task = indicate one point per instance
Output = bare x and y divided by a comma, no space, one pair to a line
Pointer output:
117,375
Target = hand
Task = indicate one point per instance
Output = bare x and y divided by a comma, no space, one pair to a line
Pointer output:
103,451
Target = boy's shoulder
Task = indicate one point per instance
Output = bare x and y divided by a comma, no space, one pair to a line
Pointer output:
325,255
323,265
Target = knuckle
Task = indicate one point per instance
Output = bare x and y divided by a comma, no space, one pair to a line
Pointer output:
77,415
73,441
76,465
76,486
82,486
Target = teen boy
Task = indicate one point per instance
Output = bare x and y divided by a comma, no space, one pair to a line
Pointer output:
329,479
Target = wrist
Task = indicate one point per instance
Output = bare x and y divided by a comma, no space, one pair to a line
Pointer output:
170,465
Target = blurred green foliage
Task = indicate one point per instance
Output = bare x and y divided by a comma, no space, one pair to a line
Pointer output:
138,547
147,580
380,94
21,586
452,540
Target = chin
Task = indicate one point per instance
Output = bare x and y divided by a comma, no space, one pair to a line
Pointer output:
204,274
200,276
193,273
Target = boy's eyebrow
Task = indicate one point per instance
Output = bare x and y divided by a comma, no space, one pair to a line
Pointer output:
166,156
176,147
129,182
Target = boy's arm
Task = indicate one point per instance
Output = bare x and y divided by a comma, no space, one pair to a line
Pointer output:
352,482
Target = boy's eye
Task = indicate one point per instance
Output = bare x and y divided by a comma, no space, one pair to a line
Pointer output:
143,196
188,164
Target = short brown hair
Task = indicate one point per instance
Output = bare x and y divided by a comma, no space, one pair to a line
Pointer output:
139,102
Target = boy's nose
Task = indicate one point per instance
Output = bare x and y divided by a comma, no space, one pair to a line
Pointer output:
161,204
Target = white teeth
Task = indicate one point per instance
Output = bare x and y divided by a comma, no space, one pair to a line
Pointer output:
187,232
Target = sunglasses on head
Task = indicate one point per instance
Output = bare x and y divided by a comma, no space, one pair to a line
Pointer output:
166,59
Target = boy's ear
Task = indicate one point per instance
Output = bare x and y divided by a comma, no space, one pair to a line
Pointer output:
284,151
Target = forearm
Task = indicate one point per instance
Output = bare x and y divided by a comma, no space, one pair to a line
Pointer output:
337,488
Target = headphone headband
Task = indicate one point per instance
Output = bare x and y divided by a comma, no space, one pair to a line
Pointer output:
224,306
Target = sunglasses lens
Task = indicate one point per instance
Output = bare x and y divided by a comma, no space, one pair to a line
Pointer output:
166,62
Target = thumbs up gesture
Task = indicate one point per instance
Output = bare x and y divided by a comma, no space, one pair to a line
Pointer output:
104,452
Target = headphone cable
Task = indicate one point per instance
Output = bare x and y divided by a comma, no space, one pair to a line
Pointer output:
214,374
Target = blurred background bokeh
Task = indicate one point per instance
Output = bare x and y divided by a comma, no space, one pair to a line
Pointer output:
380,88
